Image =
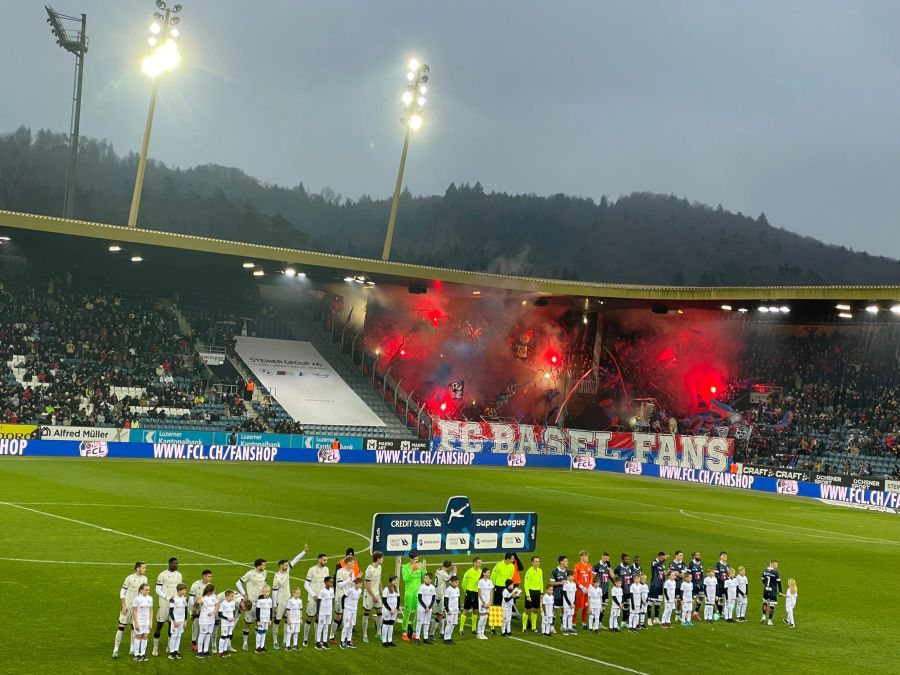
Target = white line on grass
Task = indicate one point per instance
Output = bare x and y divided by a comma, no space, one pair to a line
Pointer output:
836,535
119,532
182,508
849,538
116,564
579,656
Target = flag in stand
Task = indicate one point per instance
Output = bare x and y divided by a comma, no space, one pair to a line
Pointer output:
457,389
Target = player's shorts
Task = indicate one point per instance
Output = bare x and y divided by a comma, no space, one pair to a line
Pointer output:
497,599
699,593
250,615
655,593
369,604
162,613
279,611
720,590
143,627
338,606
311,608
678,594
125,617
471,601
770,596
533,600
557,602
581,600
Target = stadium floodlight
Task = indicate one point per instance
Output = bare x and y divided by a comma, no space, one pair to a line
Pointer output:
872,309
5,238
727,308
74,40
301,275
773,309
895,309
258,273
842,307
784,309
348,279
114,248
163,58
845,315
290,272
763,309
413,101
136,258
248,265
743,310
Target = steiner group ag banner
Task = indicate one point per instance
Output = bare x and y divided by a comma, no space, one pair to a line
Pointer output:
304,383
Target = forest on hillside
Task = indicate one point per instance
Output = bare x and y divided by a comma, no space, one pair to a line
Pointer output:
638,238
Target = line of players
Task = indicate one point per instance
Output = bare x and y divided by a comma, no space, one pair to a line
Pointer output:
676,588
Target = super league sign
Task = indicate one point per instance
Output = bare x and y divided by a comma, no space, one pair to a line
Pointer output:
455,530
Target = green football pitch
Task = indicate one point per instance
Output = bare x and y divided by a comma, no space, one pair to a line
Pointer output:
70,531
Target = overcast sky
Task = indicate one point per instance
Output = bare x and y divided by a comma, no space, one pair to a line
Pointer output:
787,107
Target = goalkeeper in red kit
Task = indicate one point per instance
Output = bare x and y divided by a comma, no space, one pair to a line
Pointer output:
584,576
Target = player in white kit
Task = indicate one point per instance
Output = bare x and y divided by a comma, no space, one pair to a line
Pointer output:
178,616
293,620
228,613
451,608
390,609
250,586
670,589
743,586
615,604
206,617
547,611
314,583
141,617
281,591
372,595
441,581
687,599
265,611
424,610
510,593
790,602
569,591
730,595
352,593
193,598
595,604
324,612
709,585
342,574
127,593
485,591
166,583
634,616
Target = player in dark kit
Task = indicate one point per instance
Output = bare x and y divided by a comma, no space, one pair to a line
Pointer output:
771,588
696,569
602,572
657,579
624,572
721,576
678,566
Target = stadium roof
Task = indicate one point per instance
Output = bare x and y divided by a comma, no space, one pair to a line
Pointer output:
407,273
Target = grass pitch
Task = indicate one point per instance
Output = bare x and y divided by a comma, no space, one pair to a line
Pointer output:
62,561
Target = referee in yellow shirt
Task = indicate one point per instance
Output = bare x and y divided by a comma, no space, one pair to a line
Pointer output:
470,586
534,588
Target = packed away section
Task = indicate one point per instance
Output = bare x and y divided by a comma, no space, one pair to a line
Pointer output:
304,383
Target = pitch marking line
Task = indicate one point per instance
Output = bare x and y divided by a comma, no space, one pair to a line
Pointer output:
119,532
171,508
579,656
837,535
87,562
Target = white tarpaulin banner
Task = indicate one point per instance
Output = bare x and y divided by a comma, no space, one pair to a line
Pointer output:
304,383
84,434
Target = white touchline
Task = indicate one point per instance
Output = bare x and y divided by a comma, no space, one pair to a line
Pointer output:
183,508
123,534
580,656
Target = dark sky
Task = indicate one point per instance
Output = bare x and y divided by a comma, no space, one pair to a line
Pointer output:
792,108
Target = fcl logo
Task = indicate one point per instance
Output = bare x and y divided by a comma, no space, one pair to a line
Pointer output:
93,449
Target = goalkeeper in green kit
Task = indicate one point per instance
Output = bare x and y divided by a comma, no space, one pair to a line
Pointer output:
412,573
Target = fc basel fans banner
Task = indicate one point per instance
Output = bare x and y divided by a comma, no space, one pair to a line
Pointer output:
457,529
690,452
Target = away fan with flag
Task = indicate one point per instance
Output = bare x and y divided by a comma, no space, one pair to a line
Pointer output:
457,389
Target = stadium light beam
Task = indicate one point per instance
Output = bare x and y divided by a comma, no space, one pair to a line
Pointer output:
165,57
75,42
413,100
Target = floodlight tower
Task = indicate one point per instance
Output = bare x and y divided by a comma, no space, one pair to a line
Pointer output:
164,57
74,40
414,101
